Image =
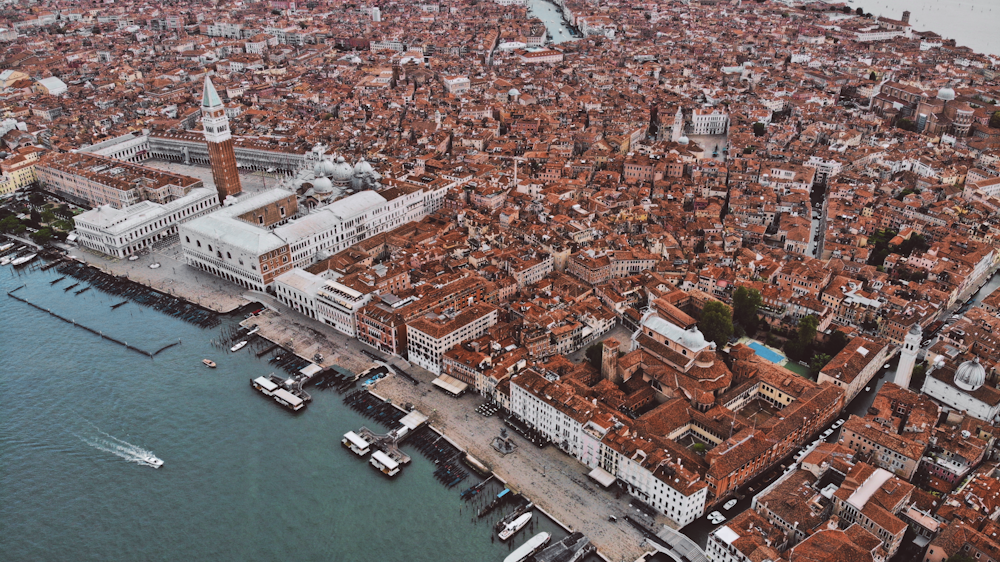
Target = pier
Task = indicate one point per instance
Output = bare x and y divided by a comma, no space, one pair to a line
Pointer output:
388,443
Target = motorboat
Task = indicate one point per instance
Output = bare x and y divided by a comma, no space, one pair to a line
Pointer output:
154,266
716,518
238,346
149,459
886,366
23,260
133,258
208,363
533,545
253,331
7,246
514,526
838,423
729,504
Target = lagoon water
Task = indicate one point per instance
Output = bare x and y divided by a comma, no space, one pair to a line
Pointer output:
243,478
971,23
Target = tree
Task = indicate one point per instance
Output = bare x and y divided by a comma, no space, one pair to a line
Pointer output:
995,120
816,365
859,12
746,303
42,236
759,129
595,354
836,343
873,77
9,224
807,330
35,217
907,125
846,9
960,558
716,323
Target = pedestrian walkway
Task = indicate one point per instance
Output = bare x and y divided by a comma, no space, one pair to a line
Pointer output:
681,547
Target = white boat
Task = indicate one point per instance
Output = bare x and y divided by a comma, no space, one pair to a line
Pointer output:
154,266
5,260
886,366
716,518
254,331
729,504
838,423
150,459
133,258
6,246
514,526
533,545
238,346
23,259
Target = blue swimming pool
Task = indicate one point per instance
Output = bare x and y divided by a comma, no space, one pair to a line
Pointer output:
766,353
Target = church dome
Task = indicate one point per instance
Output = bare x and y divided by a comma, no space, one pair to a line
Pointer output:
683,140
341,172
970,375
946,94
323,168
322,185
363,167
513,92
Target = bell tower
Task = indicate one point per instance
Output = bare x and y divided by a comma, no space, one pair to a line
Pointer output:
908,356
220,143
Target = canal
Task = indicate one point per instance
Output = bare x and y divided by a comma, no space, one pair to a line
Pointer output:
552,16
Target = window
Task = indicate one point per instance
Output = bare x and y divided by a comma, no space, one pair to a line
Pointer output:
199,243
229,256
260,219
188,239
209,247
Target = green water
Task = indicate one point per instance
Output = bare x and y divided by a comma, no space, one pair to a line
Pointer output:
243,478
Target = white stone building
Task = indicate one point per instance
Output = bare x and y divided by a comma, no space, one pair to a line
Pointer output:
429,337
122,232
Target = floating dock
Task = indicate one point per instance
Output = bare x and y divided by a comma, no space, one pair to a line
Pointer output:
386,445
572,548
273,387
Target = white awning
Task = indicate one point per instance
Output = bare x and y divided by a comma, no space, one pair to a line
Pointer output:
451,385
603,477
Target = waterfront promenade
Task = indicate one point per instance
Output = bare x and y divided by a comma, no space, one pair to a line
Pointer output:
173,276
553,480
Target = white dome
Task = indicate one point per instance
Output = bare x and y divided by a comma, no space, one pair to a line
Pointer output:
684,140
513,93
323,168
322,185
946,94
363,167
341,172
970,375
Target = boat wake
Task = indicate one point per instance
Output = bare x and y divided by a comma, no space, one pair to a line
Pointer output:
123,449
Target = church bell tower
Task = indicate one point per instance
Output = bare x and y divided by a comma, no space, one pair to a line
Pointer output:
220,143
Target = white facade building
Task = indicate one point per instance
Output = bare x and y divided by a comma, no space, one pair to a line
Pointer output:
122,232
429,337
709,122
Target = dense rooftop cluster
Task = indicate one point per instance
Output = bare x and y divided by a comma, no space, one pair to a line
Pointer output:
499,202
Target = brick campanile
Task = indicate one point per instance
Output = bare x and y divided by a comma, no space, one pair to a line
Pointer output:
220,143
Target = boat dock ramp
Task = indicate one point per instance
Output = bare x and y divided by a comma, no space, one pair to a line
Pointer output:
570,549
386,455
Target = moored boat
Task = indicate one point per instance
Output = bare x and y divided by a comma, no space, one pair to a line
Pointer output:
513,527
209,363
23,260
238,346
533,545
